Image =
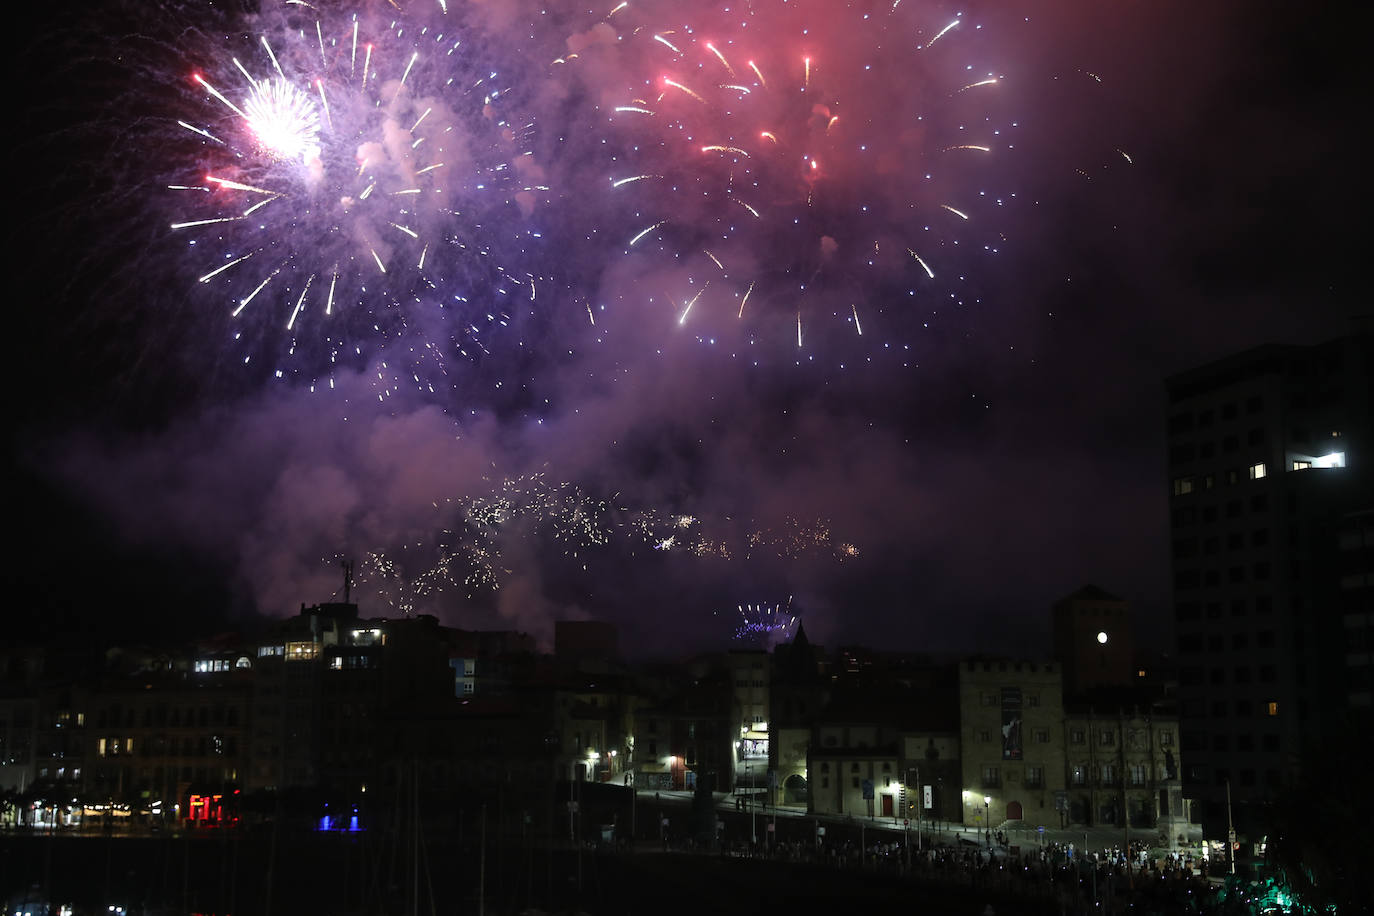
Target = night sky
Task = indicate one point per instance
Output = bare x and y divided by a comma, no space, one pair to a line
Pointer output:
1167,183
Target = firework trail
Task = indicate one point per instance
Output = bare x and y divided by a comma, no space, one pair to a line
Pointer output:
356,179
800,166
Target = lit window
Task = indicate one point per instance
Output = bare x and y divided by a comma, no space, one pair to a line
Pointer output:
1333,460
1301,465
1273,708
1257,471
1183,486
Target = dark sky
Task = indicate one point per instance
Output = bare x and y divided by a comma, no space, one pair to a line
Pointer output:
1167,183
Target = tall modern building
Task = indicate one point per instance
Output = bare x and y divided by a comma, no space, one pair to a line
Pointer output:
1269,461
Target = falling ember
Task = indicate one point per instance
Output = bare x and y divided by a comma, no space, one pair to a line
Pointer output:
721,57
941,33
645,232
924,266
691,302
745,300
676,85
754,213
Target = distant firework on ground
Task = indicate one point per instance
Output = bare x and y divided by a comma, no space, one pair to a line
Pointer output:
795,180
357,176
766,625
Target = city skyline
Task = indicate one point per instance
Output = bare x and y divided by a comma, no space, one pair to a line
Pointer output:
1182,181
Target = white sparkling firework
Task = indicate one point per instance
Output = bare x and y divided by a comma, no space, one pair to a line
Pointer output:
365,186
477,533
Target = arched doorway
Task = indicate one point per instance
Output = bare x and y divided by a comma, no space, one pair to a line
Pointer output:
794,790
1014,812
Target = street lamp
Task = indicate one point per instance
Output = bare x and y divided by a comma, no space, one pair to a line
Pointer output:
987,818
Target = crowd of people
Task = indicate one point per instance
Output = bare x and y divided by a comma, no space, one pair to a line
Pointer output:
1066,879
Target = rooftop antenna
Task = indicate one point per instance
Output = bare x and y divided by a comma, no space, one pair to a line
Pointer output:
348,578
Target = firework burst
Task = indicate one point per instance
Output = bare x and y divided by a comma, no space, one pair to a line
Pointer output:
358,179
793,179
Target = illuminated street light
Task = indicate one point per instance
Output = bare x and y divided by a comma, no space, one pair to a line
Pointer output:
987,818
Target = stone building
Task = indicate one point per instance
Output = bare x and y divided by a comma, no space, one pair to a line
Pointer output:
1011,717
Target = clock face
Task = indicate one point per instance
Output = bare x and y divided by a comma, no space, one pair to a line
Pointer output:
1102,637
